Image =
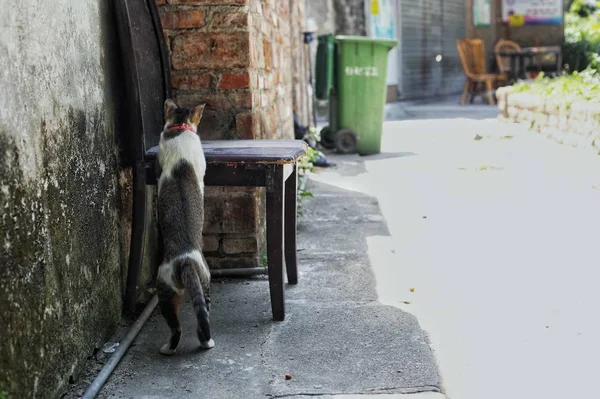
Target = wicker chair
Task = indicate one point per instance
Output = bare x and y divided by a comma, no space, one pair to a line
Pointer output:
472,58
505,46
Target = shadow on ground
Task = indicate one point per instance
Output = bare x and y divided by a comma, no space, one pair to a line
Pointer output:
439,108
336,339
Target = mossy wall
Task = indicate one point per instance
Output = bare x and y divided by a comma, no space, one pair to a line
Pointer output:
64,191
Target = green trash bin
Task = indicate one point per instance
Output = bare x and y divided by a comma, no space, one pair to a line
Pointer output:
357,98
324,67
361,90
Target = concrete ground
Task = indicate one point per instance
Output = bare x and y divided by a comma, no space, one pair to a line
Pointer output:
496,231
479,232
442,107
338,339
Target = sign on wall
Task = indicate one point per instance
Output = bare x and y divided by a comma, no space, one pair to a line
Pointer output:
532,12
482,13
383,25
382,19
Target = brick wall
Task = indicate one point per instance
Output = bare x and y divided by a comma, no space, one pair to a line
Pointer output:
246,61
576,124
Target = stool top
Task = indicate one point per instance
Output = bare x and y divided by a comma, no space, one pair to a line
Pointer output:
248,151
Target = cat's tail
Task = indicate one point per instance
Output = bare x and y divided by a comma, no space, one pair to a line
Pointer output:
191,281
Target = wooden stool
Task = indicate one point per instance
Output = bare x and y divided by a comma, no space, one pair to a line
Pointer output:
260,163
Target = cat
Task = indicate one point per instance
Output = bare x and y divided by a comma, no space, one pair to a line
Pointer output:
181,166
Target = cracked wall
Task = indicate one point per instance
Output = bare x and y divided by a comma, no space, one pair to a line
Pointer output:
64,192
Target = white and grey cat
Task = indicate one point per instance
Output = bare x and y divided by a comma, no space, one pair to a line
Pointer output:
181,166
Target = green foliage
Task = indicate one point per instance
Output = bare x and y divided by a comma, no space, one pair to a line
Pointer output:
582,42
583,8
579,86
306,162
305,165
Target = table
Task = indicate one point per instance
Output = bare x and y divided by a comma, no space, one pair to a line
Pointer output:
518,71
260,163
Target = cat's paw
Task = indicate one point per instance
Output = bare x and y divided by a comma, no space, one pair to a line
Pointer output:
166,350
208,344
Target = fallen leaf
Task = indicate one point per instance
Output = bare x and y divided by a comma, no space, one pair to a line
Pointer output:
488,167
477,137
412,290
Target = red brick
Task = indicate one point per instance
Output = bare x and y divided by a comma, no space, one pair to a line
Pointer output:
240,245
271,119
211,50
215,125
210,243
268,54
247,125
219,101
210,2
228,192
233,262
191,82
257,56
236,215
284,111
262,132
182,19
264,98
283,10
287,129
234,80
228,19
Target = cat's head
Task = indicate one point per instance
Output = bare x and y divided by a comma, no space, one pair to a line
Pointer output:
175,115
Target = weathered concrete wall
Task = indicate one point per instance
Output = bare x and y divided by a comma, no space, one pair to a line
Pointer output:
350,17
322,12
64,195
576,124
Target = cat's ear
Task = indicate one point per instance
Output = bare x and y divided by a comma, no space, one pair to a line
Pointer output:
197,114
170,106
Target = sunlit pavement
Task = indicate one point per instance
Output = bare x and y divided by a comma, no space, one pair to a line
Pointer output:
494,247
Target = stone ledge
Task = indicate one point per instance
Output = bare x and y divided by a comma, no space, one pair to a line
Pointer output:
573,123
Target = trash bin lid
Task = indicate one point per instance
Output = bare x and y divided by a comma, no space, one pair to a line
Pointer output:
390,43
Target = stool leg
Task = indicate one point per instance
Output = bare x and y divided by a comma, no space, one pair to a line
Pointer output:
275,239
291,257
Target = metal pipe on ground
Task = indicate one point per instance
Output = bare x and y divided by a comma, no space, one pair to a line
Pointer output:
114,360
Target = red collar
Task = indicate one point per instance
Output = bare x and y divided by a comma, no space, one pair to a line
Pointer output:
183,126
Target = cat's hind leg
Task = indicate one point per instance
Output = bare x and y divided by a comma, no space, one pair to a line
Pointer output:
192,281
170,302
